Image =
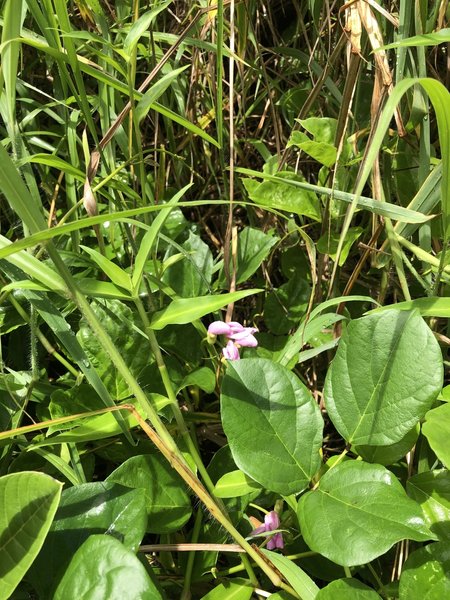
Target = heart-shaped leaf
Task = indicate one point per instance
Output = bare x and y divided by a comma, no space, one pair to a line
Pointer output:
273,425
115,573
357,513
28,504
385,375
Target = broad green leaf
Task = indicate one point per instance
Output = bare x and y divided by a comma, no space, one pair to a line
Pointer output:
118,320
79,399
101,289
426,573
254,246
284,307
357,513
103,569
432,491
168,504
235,484
235,589
323,129
280,195
87,509
347,589
323,152
28,503
186,310
432,306
191,276
113,271
385,376
273,425
204,378
294,575
437,431
387,455
386,209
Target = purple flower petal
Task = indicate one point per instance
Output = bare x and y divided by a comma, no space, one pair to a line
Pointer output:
231,351
245,338
220,328
272,520
235,327
275,542
258,530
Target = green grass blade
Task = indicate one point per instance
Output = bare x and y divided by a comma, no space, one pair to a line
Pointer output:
150,237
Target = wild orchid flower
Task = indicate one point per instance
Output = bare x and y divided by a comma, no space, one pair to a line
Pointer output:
271,522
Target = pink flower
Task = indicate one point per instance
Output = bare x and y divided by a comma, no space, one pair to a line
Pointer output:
237,334
231,351
245,337
271,522
220,328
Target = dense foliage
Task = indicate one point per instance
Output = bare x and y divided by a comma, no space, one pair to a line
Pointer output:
224,300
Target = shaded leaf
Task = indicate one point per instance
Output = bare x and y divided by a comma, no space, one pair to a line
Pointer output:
285,306
437,431
191,276
118,320
88,509
168,504
426,573
432,491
